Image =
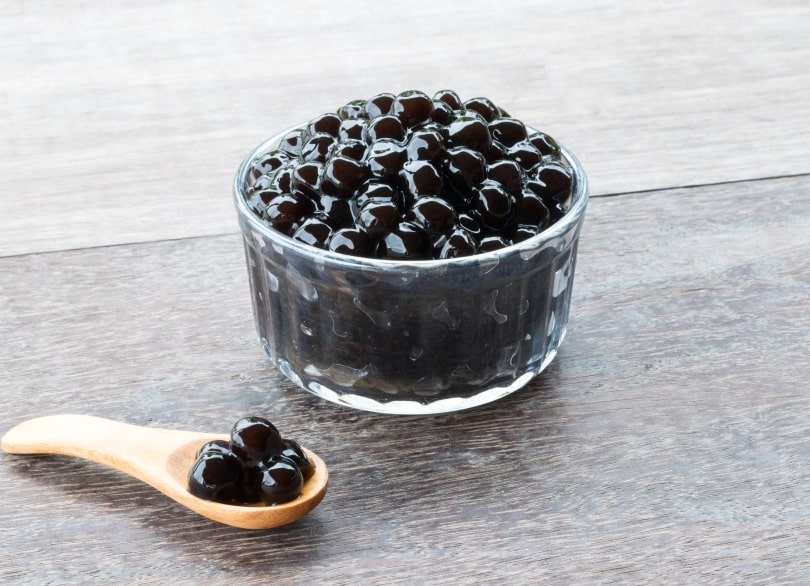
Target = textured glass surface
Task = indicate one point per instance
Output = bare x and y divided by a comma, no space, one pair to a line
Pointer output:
411,337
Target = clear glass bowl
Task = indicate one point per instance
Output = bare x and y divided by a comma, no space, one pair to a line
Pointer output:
412,337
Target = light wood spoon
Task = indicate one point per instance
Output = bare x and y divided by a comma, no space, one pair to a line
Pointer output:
161,458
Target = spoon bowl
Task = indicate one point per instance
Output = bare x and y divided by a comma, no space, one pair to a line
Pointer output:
161,458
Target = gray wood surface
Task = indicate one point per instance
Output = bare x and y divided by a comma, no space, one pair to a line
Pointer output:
669,441
125,123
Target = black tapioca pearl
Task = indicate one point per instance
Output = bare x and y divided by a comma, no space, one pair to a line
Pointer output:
378,217
483,106
412,107
353,110
426,145
470,221
471,132
508,131
285,212
524,154
433,214
258,200
216,477
379,105
449,97
282,179
459,243
464,168
267,164
559,185
376,190
508,174
385,158
351,241
255,438
318,147
343,176
338,212
325,123
351,149
523,232
385,127
313,231
293,452
544,143
492,242
494,204
442,113
419,179
280,481
306,179
406,242
531,210
352,129
292,142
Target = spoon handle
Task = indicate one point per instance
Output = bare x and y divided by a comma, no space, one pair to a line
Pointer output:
138,451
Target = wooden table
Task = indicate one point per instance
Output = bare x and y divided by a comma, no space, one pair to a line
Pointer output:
669,442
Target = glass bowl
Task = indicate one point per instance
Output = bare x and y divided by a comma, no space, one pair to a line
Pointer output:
410,337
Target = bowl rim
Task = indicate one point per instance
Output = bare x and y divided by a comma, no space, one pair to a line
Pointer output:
553,232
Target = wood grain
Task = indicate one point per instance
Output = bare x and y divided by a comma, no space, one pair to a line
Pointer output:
666,444
125,123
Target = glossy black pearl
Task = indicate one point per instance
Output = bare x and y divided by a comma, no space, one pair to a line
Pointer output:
459,243
282,178
377,217
216,477
385,127
524,154
306,179
325,123
442,113
531,210
412,107
258,200
559,185
379,105
286,211
343,176
254,439
492,242
318,147
545,144
464,168
351,241
508,174
292,142
426,145
215,446
315,232
420,178
434,215
351,149
338,212
406,242
471,132
494,204
353,110
375,190
352,129
484,107
281,481
524,232
449,97
267,164
385,158
295,453
507,131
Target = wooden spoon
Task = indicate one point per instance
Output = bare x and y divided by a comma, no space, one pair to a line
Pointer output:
161,458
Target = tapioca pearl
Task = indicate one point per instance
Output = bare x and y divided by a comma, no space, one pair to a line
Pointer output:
471,132
353,110
318,148
420,179
508,174
508,131
376,190
378,218
351,149
379,105
280,481
282,178
434,215
464,168
216,477
385,158
442,113
494,204
524,154
325,123
449,97
343,176
351,241
292,142
338,212
352,129
426,145
292,450
384,127
407,241
286,212
492,242
258,200
531,210
306,179
254,438
470,221
267,164
544,143
459,243
523,232
484,107
559,184
315,232
496,152
412,107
